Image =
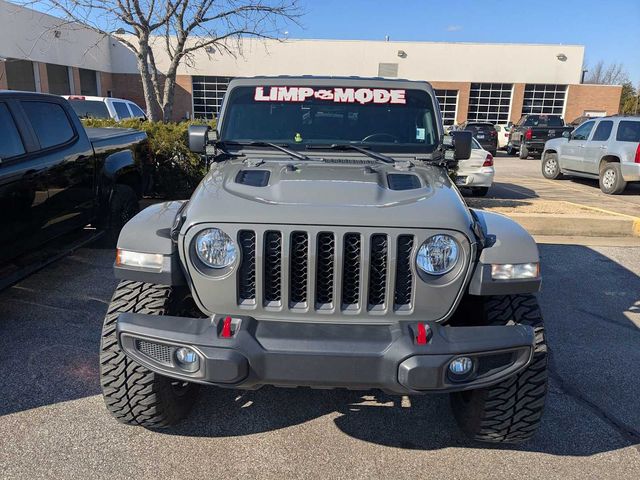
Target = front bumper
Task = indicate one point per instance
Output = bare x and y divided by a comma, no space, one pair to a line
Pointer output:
359,357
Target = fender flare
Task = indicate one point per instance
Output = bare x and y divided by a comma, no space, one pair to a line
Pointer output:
150,232
507,243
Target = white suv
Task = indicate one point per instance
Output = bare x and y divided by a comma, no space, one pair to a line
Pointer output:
606,148
105,107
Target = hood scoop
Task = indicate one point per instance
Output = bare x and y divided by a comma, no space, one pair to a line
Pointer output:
403,181
253,178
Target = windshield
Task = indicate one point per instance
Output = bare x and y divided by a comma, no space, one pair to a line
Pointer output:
389,119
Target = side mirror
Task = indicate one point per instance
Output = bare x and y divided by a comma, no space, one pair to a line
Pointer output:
566,134
462,144
199,137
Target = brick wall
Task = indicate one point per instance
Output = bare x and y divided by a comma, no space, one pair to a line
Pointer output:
182,105
106,84
3,77
599,98
44,77
517,101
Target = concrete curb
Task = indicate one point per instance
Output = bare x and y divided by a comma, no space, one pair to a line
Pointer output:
580,226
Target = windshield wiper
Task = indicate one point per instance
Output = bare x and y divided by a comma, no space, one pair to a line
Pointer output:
350,146
288,151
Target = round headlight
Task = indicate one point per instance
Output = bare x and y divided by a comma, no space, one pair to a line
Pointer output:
215,248
438,255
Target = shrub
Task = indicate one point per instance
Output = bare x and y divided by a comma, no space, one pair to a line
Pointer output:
175,171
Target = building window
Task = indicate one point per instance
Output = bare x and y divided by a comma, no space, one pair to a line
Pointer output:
58,76
208,93
541,98
88,82
490,102
20,75
448,100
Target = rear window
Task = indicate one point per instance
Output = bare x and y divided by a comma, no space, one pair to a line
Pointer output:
628,131
90,108
11,144
480,126
50,123
121,110
543,121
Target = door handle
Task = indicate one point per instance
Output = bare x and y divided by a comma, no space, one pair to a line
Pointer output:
603,147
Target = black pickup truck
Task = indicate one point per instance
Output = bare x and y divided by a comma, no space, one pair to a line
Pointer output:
529,135
56,177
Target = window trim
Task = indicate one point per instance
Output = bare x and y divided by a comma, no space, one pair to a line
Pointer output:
52,148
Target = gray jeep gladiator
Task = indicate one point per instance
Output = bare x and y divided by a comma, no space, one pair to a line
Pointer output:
327,247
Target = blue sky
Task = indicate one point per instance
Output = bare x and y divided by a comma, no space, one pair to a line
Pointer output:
609,29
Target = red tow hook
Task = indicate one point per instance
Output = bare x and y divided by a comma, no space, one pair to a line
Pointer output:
226,328
421,337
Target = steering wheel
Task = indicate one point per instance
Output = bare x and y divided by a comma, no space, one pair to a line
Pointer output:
373,135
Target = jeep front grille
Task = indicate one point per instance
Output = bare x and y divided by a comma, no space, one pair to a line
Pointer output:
326,270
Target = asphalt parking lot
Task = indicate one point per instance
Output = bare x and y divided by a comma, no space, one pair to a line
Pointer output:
53,423
518,179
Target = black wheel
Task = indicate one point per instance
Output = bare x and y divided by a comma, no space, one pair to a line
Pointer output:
133,394
611,181
479,191
509,412
510,150
551,167
523,153
123,206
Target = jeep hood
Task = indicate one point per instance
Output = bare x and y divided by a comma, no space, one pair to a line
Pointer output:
339,191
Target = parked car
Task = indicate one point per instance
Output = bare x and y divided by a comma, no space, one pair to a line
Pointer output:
477,171
105,107
485,133
529,135
327,247
55,176
606,148
504,131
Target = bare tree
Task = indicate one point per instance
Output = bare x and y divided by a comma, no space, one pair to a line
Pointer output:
603,74
175,29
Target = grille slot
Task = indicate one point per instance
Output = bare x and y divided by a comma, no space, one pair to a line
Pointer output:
324,268
404,280
157,351
351,269
272,267
299,267
247,274
378,270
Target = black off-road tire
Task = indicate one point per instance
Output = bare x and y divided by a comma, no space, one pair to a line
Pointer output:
133,394
123,206
551,167
611,181
511,411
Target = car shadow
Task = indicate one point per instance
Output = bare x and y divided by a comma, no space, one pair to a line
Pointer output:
50,330
633,189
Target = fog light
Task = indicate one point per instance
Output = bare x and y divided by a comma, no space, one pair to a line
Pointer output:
461,366
187,359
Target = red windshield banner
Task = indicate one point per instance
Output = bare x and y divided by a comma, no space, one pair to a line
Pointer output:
336,95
